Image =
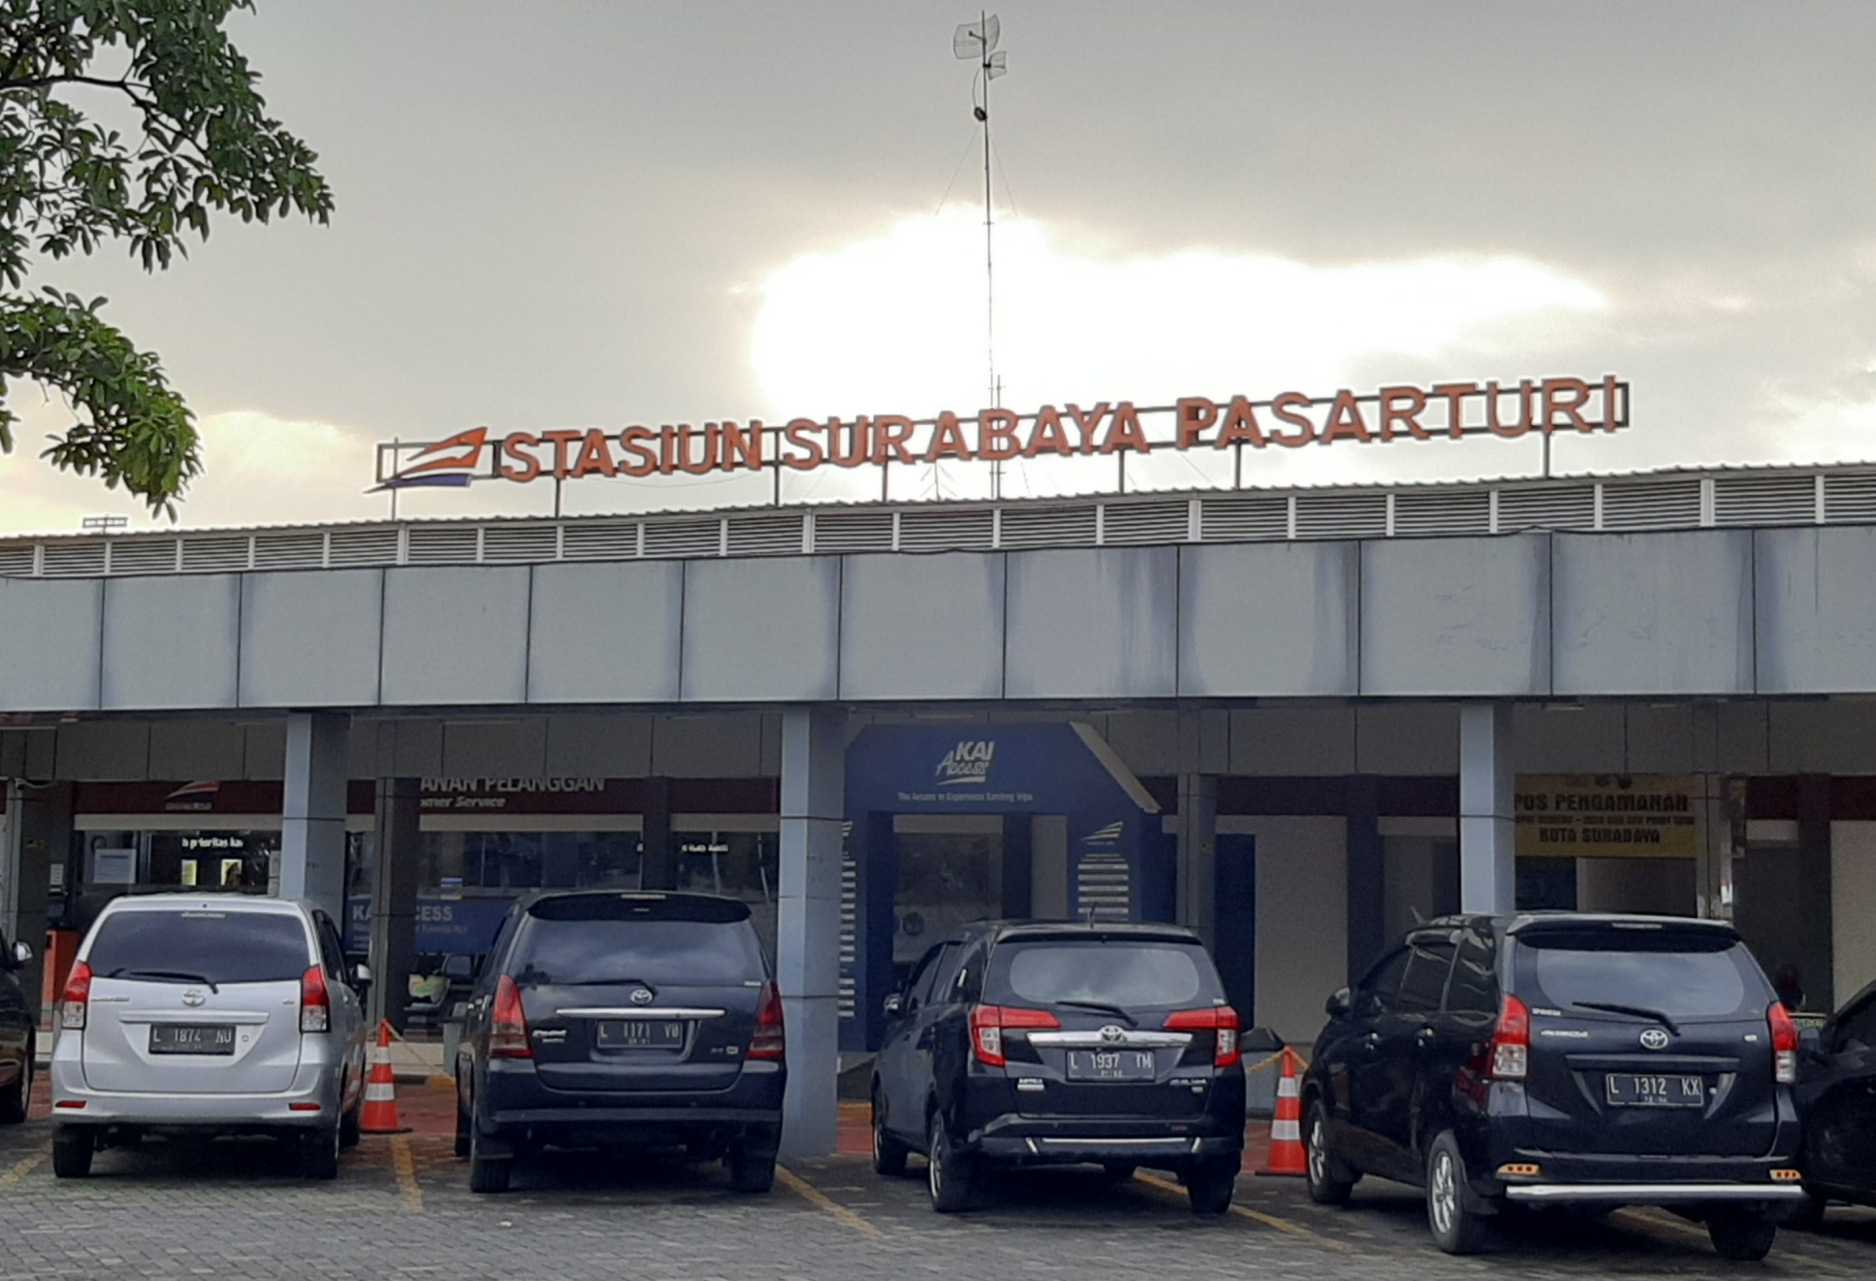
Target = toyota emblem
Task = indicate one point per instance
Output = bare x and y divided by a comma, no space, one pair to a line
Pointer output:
1654,1039
193,997
642,996
1113,1034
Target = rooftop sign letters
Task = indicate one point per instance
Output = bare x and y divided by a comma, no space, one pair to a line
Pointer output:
1451,410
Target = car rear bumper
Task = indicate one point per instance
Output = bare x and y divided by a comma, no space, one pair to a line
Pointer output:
311,1101
513,1099
1076,1149
1651,1193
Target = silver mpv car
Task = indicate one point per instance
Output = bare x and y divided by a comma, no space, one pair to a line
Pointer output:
192,1014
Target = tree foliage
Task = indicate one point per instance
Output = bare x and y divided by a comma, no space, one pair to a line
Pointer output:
201,140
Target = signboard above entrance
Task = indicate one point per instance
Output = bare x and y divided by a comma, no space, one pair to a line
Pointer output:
1607,816
1292,420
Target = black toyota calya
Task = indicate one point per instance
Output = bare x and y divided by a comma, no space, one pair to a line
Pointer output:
1031,1043
1561,1059
623,1020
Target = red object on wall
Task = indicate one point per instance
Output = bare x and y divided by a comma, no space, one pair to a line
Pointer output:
61,949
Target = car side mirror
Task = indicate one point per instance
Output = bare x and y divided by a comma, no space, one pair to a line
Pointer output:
1811,1040
22,953
894,1006
459,968
1340,1003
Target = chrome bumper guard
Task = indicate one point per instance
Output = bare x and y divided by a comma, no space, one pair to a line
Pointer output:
1655,1193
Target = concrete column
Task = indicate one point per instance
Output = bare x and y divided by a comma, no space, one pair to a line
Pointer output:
395,874
1198,853
813,807
1488,879
312,813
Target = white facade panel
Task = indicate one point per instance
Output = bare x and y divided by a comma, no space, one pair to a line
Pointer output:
455,636
1092,624
1267,619
761,630
1446,616
170,642
605,633
49,637
1816,610
922,626
1667,613
310,639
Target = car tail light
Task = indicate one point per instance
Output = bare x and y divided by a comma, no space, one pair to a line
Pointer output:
1511,1041
315,1005
988,1022
770,1040
1784,1044
508,1026
1220,1020
76,996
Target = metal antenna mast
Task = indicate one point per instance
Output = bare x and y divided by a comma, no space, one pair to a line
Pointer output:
977,42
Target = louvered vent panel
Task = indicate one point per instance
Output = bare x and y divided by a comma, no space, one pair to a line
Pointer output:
443,545
364,547
1341,515
944,530
74,559
702,537
852,531
1764,500
610,541
201,555
289,551
1242,516
1547,507
1138,523
1442,511
16,561
1661,504
771,534
1846,498
143,556
1103,888
1048,526
512,544
846,997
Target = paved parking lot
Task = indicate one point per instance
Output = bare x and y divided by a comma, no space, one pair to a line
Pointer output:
402,1208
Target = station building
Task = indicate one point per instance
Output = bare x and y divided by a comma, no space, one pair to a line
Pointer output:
1297,720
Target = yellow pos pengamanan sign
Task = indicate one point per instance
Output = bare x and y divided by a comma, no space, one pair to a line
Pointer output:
1606,815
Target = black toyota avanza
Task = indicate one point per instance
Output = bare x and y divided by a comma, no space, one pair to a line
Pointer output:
1556,1059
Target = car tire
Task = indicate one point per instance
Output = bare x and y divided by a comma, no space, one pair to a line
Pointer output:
949,1172
72,1150
752,1168
1741,1236
486,1174
319,1153
17,1097
1326,1176
1457,1228
1210,1185
1116,1172
349,1132
889,1154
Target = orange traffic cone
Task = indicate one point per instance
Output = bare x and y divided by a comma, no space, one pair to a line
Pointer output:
379,1115
1286,1130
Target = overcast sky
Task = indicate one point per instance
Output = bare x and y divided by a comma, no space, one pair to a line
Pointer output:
602,214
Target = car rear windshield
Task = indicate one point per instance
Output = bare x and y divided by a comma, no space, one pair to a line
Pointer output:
1677,973
623,938
1118,973
200,946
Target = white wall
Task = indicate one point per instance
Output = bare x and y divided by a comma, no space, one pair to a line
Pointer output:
1853,906
1302,918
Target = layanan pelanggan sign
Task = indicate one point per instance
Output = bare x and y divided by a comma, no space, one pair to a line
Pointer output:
1292,420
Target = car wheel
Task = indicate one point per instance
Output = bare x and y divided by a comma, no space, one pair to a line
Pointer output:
486,1174
72,1149
1117,1171
1209,1186
1742,1236
888,1153
948,1172
752,1166
319,1154
1325,1175
1456,1227
17,1097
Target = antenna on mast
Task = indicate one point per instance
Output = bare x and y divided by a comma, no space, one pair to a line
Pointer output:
977,42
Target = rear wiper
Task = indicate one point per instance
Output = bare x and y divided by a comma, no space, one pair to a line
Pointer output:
182,976
1641,1011
1102,1007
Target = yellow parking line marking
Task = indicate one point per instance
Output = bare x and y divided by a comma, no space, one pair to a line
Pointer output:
1694,1232
1256,1216
25,1167
406,1174
818,1199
